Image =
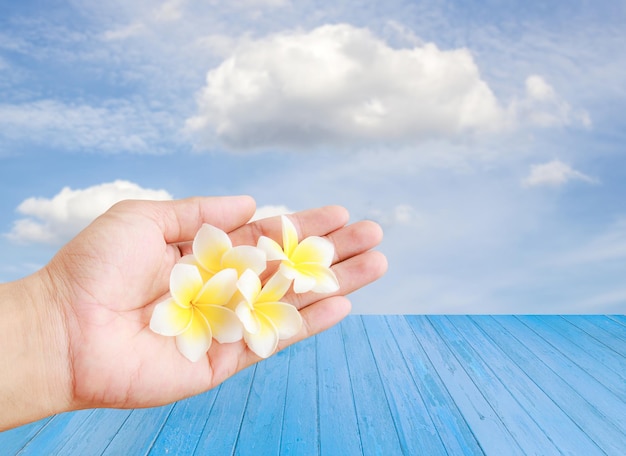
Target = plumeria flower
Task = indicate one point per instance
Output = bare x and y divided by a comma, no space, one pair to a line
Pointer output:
265,319
306,263
213,251
194,313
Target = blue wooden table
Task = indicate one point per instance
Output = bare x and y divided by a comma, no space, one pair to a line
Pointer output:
387,385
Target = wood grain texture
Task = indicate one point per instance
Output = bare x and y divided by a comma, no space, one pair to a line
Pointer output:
387,385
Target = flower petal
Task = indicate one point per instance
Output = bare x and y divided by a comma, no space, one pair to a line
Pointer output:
245,257
290,236
301,282
196,340
185,283
288,270
274,289
248,318
314,249
170,319
234,301
224,324
219,289
209,246
271,249
325,279
191,259
265,341
285,317
249,285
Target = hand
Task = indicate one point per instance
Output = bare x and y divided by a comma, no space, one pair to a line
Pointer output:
102,286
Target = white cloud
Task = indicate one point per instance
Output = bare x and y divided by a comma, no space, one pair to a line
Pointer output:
543,107
538,89
555,174
57,219
340,84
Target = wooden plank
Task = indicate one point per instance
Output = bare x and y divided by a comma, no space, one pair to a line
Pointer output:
189,414
587,360
603,329
414,426
95,432
299,430
586,385
528,434
55,433
621,319
263,417
140,430
223,423
554,422
387,385
579,338
560,378
13,440
338,427
376,426
484,421
450,423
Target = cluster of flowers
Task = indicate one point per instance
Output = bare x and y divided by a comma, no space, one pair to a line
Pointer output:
216,292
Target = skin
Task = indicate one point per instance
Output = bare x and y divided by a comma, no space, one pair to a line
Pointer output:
75,334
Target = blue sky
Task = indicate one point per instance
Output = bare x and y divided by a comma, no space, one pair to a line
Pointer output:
486,138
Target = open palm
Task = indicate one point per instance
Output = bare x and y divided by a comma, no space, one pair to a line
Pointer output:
112,275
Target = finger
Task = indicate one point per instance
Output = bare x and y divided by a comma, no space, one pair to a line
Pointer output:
180,220
356,272
185,248
355,239
352,274
312,222
319,317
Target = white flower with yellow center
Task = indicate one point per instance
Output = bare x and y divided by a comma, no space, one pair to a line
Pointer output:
195,312
265,319
306,263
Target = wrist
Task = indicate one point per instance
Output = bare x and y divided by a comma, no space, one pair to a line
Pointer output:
35,379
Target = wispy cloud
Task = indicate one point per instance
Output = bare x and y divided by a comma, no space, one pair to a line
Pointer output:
423,116
56,220
554,174
124,32
607,246
169,11
400,214
543,107
113,126
609,302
